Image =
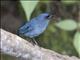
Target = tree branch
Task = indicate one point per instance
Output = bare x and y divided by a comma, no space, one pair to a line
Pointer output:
15,46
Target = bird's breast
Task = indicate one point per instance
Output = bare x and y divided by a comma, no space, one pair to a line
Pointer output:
41,27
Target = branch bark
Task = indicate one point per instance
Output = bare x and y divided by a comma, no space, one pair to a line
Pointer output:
15,46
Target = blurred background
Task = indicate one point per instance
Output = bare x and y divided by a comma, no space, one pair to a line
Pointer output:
56,37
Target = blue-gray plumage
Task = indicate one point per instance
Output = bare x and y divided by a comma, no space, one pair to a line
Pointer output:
36,26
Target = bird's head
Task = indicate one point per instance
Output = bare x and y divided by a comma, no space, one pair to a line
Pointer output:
45,16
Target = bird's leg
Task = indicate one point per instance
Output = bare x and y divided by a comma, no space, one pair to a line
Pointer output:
35,41
38,48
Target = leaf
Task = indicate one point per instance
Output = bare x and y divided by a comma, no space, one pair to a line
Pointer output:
28,7
67,24
67,2
76,42
79,24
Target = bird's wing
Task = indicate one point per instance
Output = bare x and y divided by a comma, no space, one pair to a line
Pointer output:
29,26
26,28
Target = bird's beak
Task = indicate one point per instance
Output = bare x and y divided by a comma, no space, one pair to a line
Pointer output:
50,17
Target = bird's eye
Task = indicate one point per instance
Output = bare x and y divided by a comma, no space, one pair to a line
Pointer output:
48,16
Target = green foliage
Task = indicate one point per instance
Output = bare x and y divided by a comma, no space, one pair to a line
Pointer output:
67,24
69,2
79,24
77,42
28,7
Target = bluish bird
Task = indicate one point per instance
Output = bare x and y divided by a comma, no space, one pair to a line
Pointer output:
35,26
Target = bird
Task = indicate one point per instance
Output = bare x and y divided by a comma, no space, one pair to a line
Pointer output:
35,26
